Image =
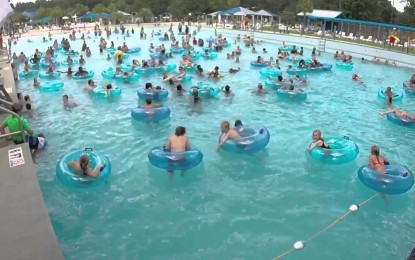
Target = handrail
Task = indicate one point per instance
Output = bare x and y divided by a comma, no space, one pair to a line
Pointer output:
15,115
5,102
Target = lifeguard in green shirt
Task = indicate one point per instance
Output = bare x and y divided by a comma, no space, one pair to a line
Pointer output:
12,123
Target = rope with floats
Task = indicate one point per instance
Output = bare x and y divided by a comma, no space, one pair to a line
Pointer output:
353,208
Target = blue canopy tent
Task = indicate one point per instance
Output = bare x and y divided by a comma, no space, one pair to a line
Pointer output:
89,16
104,16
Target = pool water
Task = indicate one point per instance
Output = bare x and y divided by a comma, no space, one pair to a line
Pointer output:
230,206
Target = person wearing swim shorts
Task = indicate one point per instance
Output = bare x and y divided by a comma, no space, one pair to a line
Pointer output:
36,144
12,123
318,141
82,167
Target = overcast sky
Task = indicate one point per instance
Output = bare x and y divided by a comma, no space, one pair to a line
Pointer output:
397,3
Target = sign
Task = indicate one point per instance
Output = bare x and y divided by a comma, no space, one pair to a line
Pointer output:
16,157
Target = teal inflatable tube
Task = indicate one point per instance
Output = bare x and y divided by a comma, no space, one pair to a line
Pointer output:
66,175
50,86
87,76
74,62
295,94
206,90
53,75
29,75
127,79
101,93
344,65
342,150
398,95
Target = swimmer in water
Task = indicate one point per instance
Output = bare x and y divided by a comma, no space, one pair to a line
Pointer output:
226,133
82,167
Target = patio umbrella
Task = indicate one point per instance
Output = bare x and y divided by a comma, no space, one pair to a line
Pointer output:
239,13
65,18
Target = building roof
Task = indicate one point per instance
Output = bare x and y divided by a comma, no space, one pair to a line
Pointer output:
5,12
265,13
242,10
324,14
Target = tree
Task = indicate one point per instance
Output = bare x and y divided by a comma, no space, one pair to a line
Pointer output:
56,13
232,3
41,13
305,6
18,18
99,8
146,14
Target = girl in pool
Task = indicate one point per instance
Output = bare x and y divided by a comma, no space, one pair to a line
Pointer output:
318,141
226,133
82,167
389,95
377,161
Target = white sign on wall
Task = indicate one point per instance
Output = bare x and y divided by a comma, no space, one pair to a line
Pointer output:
16,157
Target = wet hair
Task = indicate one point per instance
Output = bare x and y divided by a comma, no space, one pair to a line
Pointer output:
65,96
109,86
280,78
227,88
16,107
374,150
26,98
148,101
19,95
238,122
158,88
90,81
149,85
28,107
179,87
216,68
291,87
317,132
84,162
180,131
225,124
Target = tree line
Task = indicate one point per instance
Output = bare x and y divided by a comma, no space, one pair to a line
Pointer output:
368,10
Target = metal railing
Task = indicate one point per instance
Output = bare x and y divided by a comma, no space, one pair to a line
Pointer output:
3,109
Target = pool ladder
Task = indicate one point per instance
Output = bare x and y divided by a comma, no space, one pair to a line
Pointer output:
322,45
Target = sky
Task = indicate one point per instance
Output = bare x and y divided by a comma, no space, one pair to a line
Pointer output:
397,3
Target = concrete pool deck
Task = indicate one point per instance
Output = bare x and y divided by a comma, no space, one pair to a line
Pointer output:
26,231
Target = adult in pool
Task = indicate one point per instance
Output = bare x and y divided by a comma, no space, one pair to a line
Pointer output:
179,142
91,85
318,141
226,133
82,167
149,105
399,113
377,161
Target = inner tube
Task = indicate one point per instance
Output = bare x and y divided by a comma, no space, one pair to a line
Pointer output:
50,86
71,179
344,65
209,56
301,72
171,161
69,53
29,74
398,180
254,138
256,64
294,94
327,66
408,90
64,63
127,79
287,48
177,50
87,76
342,150
399,120
272,84
398,95
150,115
163,39
159,56
171,67
206,90
101,93
152,94
53,75
134,50
270,72
45,64
108,74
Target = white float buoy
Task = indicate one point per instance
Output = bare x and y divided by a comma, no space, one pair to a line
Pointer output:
354,207
299,245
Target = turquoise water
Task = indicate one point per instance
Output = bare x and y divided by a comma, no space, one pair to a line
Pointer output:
231,206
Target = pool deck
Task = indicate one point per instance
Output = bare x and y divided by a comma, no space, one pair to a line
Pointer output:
25,228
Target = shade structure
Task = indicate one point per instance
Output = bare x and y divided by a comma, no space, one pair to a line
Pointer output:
5,11
241,10
65,18
89,15
239,14
265,13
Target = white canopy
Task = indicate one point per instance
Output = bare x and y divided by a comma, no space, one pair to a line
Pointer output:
5,12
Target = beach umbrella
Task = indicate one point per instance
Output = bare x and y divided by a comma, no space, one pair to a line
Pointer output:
65,18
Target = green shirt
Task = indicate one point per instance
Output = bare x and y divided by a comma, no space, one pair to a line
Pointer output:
12,123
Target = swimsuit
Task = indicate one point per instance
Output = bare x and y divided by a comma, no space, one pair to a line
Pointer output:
323,145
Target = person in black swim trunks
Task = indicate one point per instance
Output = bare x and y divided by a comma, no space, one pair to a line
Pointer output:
318,141
82,167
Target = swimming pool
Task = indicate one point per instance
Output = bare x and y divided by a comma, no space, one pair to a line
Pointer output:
231,206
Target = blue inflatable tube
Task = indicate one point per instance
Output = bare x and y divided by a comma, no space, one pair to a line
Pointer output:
301,72
254,138
315,69
171,67
226,45
164,39
152,94
159,56
87,76
211,49
134,50
64,63
68,53
398,180
111,50
286,49
196,56
295,94
344,65
43,55
209,56
28,75
149,70
272,84
408,90
101,93
127,68
185,79
50,86
45,64
170,161
53,75
327,66
258,65
398,95
206,90
270,72
150,115
108,74
127,79
402,121
177,50
71,179
342,150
